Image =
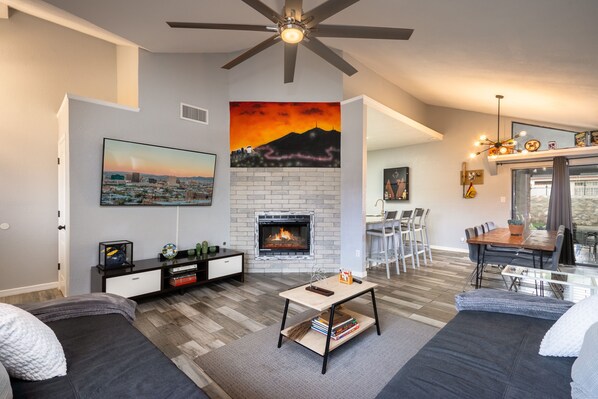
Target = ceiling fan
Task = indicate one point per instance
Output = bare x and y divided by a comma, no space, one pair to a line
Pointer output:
295,27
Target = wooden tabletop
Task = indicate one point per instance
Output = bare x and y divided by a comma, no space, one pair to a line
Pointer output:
540,240
320,302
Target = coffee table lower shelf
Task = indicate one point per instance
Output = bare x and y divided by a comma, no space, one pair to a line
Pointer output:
316,341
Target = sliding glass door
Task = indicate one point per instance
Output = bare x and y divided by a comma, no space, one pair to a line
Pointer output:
531,194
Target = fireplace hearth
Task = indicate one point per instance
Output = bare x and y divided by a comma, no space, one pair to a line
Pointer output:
284,235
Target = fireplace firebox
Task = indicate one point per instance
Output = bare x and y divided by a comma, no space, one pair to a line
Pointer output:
284,235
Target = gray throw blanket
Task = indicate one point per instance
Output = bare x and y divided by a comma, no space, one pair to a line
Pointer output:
82,305
489,300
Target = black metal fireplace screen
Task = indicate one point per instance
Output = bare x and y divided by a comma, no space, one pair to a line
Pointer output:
284,235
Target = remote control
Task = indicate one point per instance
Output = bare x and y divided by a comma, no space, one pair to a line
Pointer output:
356,280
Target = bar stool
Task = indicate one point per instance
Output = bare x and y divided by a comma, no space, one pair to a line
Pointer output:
425,228
386,234
417,226
404,234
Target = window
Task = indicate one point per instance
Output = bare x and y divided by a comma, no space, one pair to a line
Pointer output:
559,137
531,194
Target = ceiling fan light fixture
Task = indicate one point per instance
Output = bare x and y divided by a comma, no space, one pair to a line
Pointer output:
292,33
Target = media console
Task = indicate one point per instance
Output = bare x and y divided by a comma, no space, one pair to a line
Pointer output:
155,276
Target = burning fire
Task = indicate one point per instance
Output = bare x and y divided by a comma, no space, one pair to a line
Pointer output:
283,235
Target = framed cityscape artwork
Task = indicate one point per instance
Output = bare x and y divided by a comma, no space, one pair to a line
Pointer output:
396,184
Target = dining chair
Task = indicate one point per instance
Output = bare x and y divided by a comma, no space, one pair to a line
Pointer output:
481,257
387,235
549,261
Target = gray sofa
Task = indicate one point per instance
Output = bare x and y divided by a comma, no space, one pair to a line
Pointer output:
106,357
488,354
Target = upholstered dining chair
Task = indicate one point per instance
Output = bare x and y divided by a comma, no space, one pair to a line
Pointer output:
479,255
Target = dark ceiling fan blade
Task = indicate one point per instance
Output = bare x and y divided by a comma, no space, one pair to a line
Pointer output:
325,52
263,9
252,51
361,32
290,59
294,9
199,25
326,10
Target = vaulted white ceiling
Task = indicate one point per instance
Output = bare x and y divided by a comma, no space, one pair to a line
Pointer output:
542,55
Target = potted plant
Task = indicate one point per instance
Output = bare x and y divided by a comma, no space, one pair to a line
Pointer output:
516,227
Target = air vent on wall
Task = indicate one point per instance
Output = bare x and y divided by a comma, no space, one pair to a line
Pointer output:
194,114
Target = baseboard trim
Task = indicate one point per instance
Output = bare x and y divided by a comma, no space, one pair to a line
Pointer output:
28,289
450,249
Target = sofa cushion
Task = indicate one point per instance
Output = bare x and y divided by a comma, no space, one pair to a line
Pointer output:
5,389
30,349
489,300
566,336
484,355
584,372
109,358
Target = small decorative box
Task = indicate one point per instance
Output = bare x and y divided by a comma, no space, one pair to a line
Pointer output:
345,276
115,254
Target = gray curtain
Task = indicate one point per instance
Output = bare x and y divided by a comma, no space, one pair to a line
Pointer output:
559,208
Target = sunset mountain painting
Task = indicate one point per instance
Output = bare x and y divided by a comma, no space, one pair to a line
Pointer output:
267,134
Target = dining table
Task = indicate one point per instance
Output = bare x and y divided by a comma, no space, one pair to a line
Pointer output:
539,242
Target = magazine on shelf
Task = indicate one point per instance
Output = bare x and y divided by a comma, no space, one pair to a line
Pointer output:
340,335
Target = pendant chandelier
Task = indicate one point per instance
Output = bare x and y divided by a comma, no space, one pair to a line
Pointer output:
498,147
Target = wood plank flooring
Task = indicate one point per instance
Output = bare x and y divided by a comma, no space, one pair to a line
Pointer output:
205,318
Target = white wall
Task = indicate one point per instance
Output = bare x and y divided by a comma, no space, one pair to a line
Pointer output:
353,178
434,176
39,63
369,83
165,80
260,78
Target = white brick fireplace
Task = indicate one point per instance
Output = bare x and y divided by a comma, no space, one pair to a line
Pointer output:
287,190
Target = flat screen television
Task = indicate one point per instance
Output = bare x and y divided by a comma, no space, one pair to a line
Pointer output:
149,175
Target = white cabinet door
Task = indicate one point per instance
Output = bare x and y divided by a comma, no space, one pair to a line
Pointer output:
134,284
225,267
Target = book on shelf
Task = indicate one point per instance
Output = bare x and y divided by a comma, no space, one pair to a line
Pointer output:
340,334
336,327
343,324
339,318
337,332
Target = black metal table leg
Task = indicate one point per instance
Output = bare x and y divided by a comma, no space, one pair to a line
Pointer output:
477,268
542,268
481,269
327,348
375,311
284,319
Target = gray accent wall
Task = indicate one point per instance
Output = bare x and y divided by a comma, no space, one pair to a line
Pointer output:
165,80
39,63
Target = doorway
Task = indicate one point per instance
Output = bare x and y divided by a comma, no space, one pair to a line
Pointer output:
531,194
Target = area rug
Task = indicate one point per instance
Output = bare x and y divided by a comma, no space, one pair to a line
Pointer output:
253,366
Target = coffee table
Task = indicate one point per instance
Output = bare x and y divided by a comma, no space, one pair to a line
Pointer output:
315,341
581,282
